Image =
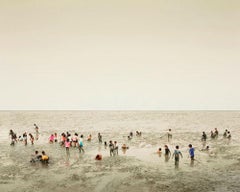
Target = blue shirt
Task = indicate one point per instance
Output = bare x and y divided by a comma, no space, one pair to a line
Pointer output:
191,152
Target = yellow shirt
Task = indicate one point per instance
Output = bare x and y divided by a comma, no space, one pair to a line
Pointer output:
44,157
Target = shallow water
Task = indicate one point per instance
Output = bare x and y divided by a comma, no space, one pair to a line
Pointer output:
139,169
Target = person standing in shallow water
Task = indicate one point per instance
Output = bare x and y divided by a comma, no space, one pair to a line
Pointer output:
99,138
169,135
25,138
191,154
229,136
225,133
204,136
204,139
216,133
177,153
31,138
36,130
191,151
13,137
111,148
159,152
67,146
167,153
115,148
81,144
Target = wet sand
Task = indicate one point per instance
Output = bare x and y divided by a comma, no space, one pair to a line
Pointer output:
140,169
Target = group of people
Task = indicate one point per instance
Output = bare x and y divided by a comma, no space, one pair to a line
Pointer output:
40,158
138,134
176,154
214,134
68,140
22,138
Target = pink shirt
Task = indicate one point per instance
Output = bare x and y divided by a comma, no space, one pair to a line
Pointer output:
67,144
51,138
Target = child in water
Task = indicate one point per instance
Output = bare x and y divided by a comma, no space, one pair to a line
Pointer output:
80,142
51,138
191,152
55,137
98,157
31,138
159,152
45,158
89,137
67,146
177,153
36,157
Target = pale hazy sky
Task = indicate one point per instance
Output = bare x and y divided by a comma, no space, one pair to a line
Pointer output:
126,54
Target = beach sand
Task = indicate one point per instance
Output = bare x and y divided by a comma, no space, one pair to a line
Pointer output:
139,169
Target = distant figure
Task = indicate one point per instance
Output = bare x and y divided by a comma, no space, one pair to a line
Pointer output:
124,148
205,149
167,153
177,153
89,137
36,157
31,138
25,138
81,144
55,137
115,148
212,135
204,136
67,146
191,151
99,138
225,133
51,138
159,152
45,158
68,135
20,138
138,133
131,134
36,128
98,157
169,135
191,154
229,135
111,148
74,140
36,131
216,133
105,144
63,139
13,137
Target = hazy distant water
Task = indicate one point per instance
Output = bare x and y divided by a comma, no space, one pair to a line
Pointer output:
140,169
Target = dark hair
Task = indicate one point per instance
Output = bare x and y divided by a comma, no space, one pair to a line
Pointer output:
190,145
177,147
